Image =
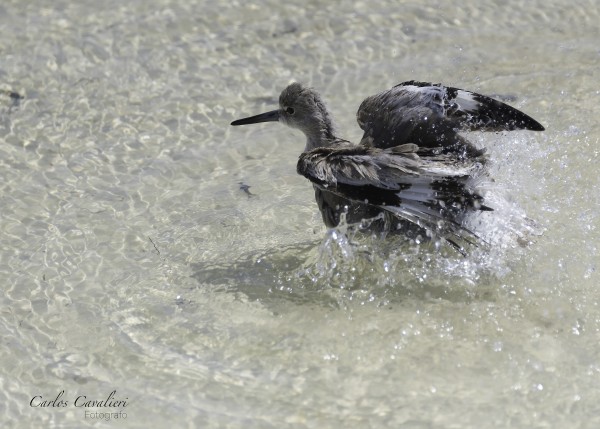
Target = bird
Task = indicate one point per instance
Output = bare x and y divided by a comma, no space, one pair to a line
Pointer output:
412,172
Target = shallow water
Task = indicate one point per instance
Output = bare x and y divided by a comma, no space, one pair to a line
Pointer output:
135,262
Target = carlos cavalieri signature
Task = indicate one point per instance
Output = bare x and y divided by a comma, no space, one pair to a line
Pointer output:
108,404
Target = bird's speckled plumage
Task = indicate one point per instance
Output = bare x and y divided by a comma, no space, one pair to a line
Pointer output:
411,167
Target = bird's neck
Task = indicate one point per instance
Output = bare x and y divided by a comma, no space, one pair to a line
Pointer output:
320,135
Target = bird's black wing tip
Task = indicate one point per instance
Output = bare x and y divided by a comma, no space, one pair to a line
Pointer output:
537,127
528,123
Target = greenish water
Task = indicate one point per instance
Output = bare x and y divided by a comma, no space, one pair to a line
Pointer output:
133,261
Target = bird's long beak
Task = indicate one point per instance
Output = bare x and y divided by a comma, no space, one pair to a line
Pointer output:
263,117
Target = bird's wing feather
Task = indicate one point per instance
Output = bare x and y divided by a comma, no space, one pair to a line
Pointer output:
427,192
382,168
419,112
475,111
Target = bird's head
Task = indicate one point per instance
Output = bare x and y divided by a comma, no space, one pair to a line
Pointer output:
302,108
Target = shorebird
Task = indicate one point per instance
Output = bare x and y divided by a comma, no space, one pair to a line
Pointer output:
412,170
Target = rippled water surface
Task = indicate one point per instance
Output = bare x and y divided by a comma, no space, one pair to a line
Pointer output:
135,259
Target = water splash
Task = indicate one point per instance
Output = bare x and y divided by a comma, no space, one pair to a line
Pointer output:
364,266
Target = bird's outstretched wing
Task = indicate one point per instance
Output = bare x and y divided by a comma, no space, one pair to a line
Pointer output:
431,192
431,115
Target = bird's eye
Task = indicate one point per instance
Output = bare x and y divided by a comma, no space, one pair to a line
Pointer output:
290,111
